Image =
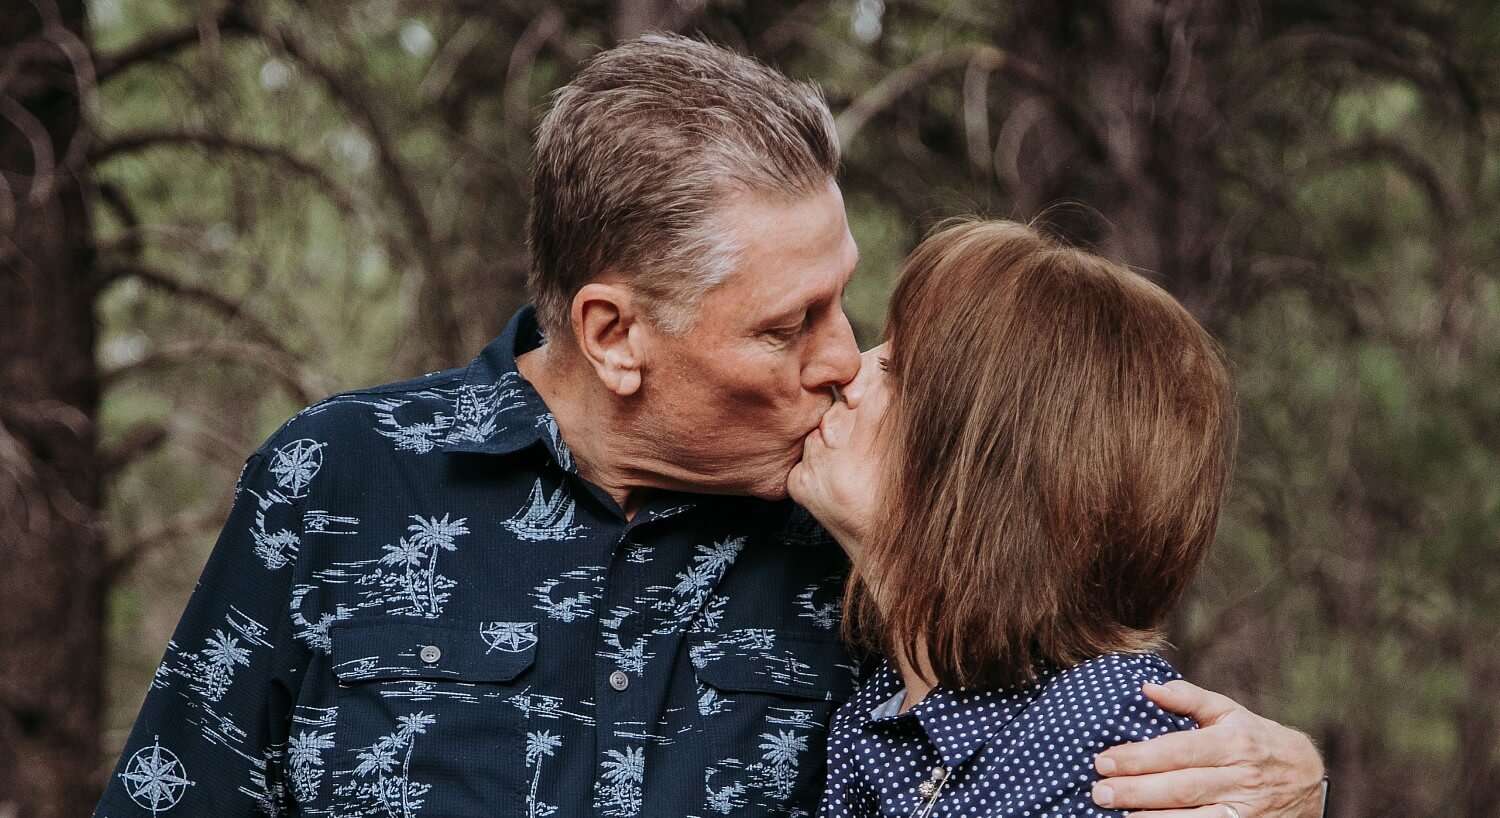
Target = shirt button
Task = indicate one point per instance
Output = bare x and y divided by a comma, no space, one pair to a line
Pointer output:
618,680
430,654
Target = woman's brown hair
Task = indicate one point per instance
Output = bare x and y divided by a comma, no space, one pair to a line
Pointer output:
1059,437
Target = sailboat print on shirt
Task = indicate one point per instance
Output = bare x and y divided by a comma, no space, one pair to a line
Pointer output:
545,518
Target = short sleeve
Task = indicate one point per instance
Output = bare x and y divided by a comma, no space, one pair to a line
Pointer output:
1103,705
209,738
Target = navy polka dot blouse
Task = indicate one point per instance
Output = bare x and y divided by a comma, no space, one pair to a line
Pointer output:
1021,751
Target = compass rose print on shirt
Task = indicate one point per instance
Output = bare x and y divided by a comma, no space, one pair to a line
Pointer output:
545,518
294,465
154,778
508,637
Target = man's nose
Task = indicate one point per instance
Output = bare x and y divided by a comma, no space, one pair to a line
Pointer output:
836,361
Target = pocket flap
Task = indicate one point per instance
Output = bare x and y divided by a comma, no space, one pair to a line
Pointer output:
465,651
805,664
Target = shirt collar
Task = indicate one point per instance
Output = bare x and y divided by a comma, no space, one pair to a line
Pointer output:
497,411
957,723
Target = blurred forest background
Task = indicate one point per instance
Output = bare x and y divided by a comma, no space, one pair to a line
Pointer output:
212,215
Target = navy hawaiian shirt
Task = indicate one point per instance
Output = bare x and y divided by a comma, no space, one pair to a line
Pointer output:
418,609
1026,751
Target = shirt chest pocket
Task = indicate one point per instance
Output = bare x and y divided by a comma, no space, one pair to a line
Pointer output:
424,718
765,697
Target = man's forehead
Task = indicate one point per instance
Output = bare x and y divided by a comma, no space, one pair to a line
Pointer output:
797,285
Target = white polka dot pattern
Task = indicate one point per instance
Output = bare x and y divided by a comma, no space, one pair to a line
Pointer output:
1016,752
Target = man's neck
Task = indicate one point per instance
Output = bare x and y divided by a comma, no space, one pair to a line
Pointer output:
586,420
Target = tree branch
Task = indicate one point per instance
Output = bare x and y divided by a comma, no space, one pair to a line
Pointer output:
344,198
304,384
164,44
182,524
232,310
143,439
888,91
364,106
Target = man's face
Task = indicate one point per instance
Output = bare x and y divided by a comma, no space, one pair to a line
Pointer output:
731,399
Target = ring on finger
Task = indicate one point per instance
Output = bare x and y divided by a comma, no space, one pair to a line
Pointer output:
1232,811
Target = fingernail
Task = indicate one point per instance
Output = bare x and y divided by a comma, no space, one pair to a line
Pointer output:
1105,765
1104,795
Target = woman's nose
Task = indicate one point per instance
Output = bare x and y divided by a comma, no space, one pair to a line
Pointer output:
869,370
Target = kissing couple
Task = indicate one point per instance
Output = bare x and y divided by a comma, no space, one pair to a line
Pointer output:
671,546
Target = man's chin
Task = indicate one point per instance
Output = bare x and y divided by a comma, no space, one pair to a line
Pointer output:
774,487
772,493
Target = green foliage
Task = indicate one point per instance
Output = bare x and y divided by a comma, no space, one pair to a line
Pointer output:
1355,591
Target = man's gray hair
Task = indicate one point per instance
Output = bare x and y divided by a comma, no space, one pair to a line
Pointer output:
638,156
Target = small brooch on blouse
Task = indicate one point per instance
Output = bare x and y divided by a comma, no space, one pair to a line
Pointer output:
931,789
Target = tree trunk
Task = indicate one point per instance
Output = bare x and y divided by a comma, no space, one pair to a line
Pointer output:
1148,75
632,18
51,586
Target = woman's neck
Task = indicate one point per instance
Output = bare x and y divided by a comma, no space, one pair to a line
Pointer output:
918,684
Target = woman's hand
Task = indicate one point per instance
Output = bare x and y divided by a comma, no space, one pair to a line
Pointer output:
838,478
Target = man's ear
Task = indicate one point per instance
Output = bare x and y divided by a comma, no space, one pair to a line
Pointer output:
609,325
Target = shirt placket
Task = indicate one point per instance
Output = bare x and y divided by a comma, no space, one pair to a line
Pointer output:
647,594
624,684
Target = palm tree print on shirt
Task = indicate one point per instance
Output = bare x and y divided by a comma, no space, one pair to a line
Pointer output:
538,745
777,770
304,760
413,584
382,784
221,654
619,794
210,671
696,583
